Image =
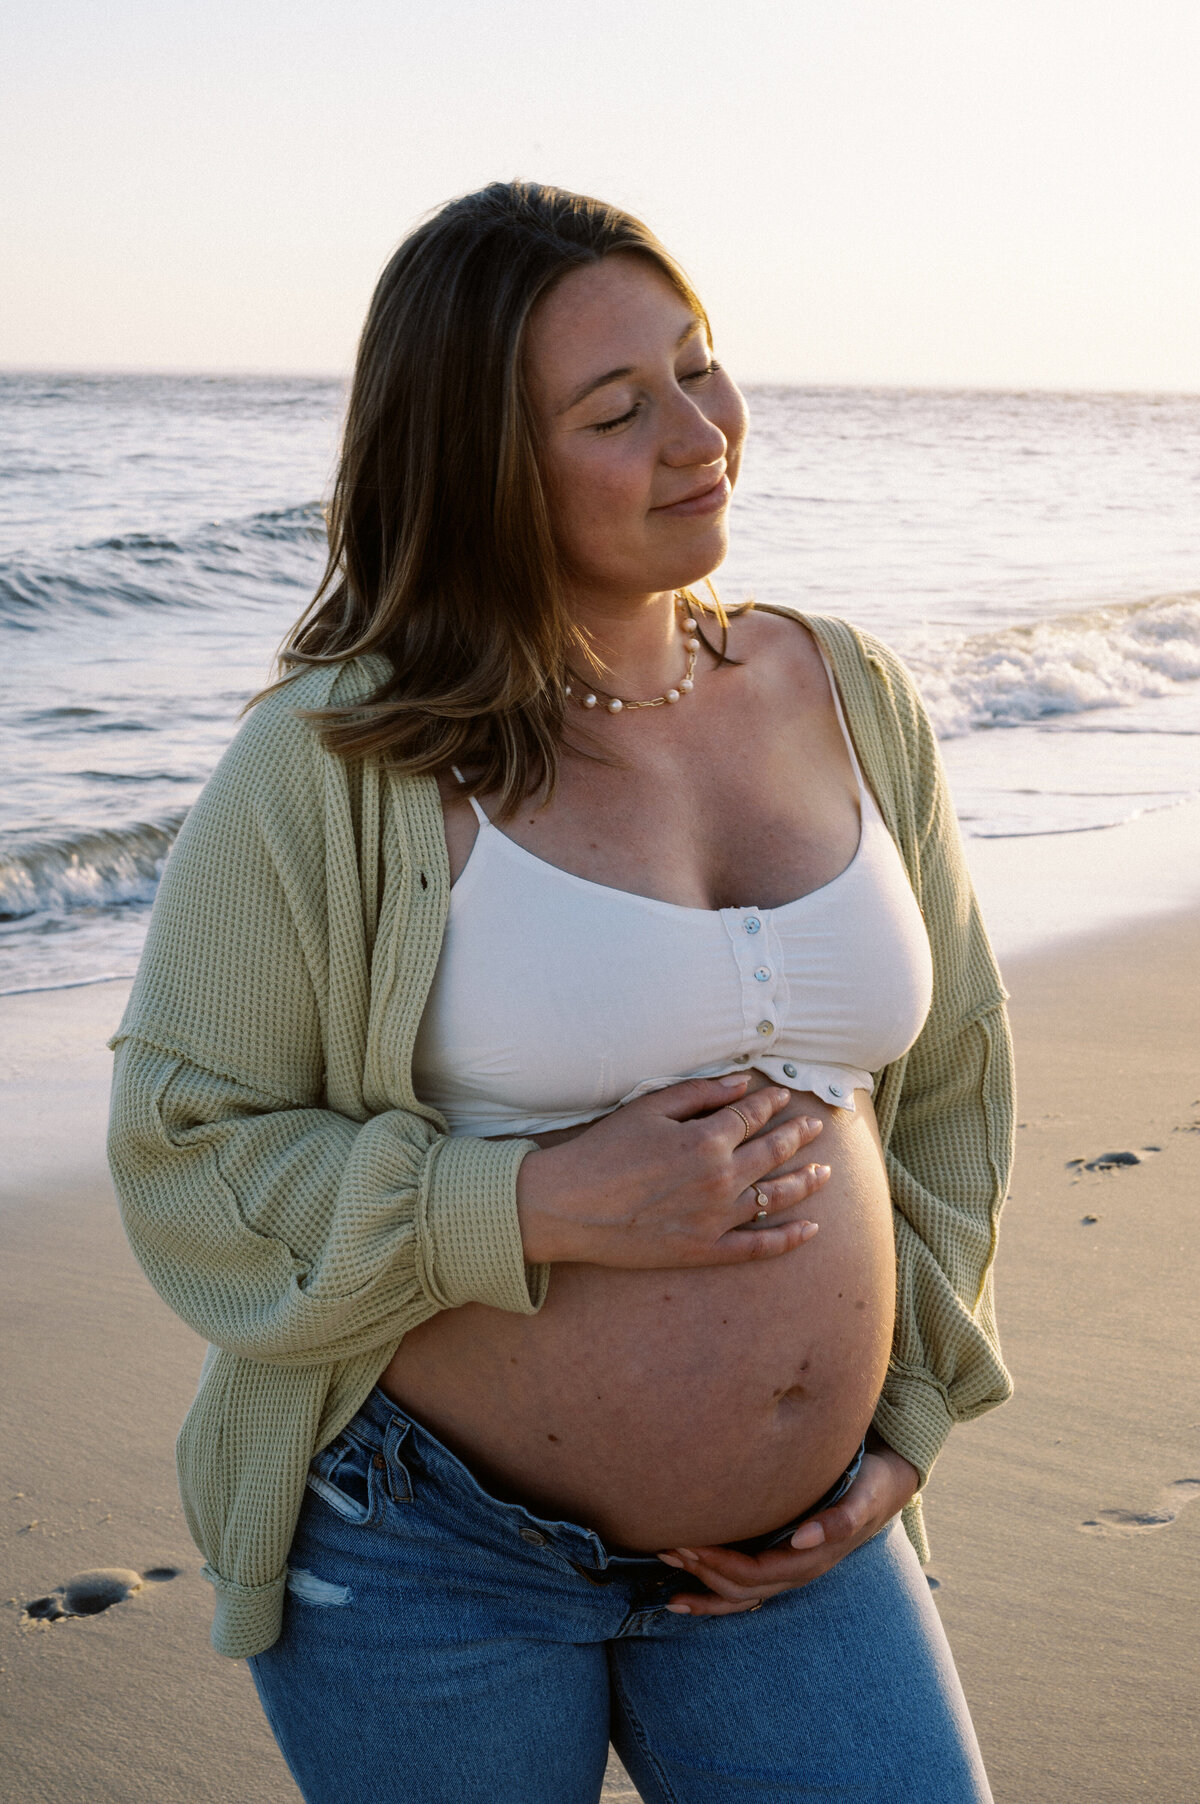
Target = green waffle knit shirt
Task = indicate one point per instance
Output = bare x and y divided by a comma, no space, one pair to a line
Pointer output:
294,1201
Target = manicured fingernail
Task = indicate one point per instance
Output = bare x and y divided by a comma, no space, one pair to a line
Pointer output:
820,1171
808,1229
679,1609
668,1559
735,1077
688,1553
809,1534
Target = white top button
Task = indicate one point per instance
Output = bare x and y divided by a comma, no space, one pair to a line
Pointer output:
790,1071
762,974
752,924
766,1027
835,1089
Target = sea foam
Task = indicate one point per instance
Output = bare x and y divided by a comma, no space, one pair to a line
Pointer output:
1108,657
98,868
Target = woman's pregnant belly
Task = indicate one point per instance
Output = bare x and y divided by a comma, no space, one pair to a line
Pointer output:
668,1408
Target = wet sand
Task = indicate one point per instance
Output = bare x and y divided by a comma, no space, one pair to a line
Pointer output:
1065,1526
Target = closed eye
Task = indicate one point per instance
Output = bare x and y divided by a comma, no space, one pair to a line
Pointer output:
710,369
609,425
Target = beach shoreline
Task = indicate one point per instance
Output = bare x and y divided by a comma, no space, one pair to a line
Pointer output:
1074,1642
1045,892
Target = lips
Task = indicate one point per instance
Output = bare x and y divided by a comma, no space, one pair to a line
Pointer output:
707,498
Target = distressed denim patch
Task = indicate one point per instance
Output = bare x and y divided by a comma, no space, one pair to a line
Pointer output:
314,1590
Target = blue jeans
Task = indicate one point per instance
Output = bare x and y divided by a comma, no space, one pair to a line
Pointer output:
442,1646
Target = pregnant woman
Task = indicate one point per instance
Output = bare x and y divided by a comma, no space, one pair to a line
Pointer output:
568,1084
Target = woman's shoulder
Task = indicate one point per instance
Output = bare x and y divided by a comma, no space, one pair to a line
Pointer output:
273,782
278,739
785,662
333,685
774,623
869,672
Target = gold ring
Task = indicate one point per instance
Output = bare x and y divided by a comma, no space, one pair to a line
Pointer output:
762,1203
743,1121
754,1607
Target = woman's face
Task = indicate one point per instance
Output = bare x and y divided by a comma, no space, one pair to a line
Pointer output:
640,431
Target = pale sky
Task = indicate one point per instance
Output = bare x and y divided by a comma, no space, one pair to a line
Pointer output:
1002,193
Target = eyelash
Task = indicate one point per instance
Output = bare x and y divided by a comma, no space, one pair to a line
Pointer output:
710,369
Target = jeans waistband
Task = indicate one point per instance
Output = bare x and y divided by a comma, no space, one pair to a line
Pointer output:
376,1423
380,1413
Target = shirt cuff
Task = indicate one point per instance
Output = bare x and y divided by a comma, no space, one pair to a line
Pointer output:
914,1418
469,1247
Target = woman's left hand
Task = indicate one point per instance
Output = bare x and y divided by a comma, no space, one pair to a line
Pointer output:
741,1581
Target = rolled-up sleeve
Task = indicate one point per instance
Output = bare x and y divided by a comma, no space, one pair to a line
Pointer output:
949,1154
296,1235
947,1167
273,1201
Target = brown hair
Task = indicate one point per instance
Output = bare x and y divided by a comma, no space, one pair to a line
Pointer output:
442,553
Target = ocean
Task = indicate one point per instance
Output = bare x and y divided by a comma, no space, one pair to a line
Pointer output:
1035,558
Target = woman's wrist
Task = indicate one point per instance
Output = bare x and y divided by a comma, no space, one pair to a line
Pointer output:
545,1235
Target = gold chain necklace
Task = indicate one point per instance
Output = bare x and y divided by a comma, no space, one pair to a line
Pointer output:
591,697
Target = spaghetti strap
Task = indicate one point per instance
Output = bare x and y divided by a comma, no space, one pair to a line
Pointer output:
480,816
864,792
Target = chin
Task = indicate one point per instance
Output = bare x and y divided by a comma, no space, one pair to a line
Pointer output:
691,565
690,576
659,570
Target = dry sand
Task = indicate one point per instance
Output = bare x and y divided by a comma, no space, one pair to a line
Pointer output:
1069,1560
1074,1629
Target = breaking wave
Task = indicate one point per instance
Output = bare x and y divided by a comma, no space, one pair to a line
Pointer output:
1107,657
99,867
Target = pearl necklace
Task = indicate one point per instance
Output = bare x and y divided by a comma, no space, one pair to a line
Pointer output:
591,697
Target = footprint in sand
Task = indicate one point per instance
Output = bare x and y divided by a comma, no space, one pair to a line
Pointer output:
1112,1161
89,1593
1175,1498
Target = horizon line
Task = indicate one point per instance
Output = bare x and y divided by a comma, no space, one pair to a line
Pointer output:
249,372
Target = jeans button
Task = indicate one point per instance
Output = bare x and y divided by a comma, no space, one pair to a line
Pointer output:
531,1536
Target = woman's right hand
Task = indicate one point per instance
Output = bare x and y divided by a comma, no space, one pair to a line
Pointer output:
668,1181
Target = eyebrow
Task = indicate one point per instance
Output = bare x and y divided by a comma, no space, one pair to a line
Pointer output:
693,325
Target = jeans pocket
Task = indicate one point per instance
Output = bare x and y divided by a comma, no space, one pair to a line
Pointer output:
343,1476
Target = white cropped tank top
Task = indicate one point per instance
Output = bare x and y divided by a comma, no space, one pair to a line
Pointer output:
556,999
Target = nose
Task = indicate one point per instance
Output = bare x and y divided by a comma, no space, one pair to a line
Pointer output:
693,438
